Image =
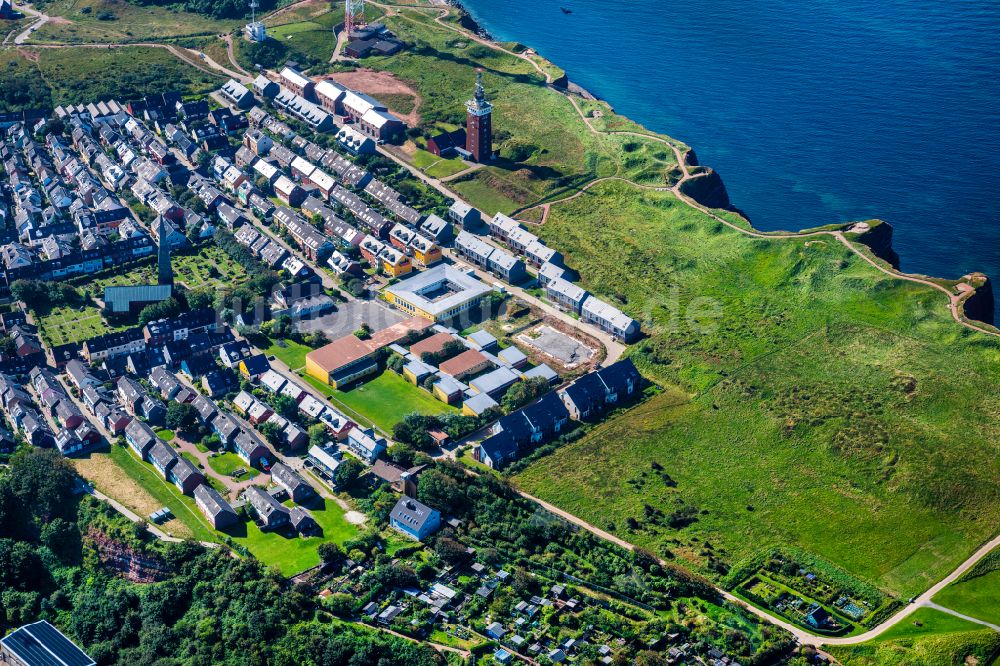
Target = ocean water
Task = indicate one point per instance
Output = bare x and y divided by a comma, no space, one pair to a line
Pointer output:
812,111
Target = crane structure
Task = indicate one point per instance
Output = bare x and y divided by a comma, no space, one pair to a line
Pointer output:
354,16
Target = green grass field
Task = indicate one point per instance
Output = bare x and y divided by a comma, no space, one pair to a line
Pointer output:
292,554
131,22
210,266
207,267
61,324
122,73
226,463
445,168
183,507
289,554
826,406
292,354
926,638
384,400
977,593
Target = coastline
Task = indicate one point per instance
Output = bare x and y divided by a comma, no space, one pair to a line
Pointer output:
982,296
470,23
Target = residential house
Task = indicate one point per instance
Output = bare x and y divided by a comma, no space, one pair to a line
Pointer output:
414,519
269,511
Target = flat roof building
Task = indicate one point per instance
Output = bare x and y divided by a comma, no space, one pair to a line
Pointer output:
437,294
41,644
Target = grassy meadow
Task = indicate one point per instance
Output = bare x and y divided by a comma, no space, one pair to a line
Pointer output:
71,76
120,21
383,401
811,400
926,638
977,592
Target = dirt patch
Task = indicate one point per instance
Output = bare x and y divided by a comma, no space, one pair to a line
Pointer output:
355,517
381,83
564,347
107,477
31,56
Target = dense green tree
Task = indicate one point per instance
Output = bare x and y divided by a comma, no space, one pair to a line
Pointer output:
181,416
440,491
273,433
166,309
348,472
318,435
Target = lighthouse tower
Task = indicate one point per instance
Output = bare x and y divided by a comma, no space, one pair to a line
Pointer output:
479,124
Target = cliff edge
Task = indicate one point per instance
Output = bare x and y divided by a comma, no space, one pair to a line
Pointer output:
877,235
981,305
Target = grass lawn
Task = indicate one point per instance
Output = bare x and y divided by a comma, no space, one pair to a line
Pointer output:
487,194
423,159
977,594
226,463
62,324
289,554
165,435
167,494
441,637
445,168
209,267
386,399
292,553
109,477
291,353
926,638
809,400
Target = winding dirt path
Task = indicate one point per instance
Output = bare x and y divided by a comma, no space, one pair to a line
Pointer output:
232,57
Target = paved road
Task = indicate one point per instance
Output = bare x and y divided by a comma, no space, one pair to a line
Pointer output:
42,20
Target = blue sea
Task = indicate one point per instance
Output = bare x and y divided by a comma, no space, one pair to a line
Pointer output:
812,111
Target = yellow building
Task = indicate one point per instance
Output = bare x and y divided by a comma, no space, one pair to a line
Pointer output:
395,263
425,252
437,294
341,362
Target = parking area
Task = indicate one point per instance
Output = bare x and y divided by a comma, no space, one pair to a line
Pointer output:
567,350
349,317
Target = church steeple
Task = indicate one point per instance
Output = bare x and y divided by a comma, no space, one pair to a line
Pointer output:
165,272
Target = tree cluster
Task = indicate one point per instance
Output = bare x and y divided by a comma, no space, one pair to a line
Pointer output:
39,295
209,608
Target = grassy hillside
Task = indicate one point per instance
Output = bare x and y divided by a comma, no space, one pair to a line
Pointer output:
543,152
926,638
819,403
977,593
103,21
71,76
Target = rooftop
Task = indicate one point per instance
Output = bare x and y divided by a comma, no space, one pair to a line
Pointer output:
437,290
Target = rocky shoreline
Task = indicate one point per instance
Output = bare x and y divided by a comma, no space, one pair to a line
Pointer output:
710,191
